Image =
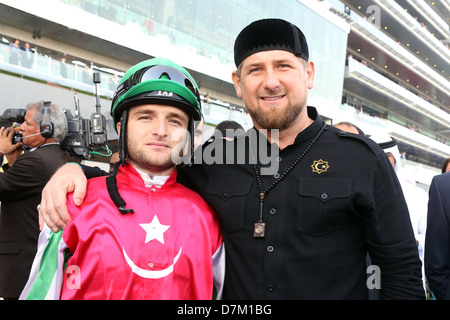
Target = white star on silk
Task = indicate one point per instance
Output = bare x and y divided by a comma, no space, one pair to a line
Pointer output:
155,230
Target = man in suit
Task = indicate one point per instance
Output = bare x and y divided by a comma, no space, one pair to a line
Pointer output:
437,239
21,184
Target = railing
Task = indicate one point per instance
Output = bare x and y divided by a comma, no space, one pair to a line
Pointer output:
54,64
78,75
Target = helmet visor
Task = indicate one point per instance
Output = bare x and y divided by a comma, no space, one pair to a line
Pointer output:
153,73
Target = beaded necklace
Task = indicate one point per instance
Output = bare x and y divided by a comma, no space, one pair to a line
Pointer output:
259,230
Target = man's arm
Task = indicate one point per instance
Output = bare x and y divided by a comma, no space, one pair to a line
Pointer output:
437,257
70,177
390,238
53,208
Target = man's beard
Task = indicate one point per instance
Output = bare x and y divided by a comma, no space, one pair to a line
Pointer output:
276,120
150,162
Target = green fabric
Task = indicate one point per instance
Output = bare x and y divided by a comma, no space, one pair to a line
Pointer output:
47,269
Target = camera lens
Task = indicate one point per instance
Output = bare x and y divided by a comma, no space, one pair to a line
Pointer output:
17,137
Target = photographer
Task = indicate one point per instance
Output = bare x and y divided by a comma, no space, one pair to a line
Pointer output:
21,184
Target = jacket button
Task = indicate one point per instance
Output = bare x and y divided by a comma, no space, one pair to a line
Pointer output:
324,196
273,211
270,288
226,194
270,249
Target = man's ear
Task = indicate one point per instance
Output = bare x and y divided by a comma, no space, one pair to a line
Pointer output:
118,128
310,71
237,83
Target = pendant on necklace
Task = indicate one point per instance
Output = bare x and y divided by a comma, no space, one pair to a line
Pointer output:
259,230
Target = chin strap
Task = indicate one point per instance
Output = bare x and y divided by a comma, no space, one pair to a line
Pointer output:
122,137
111,180
111,185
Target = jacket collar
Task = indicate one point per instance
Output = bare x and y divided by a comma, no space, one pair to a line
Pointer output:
130,176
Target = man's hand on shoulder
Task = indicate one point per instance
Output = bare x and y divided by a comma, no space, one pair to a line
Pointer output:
53,208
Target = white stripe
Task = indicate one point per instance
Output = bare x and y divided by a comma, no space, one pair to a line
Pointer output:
218,261
54,291
42,243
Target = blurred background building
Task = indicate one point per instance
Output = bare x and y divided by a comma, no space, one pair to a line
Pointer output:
380,64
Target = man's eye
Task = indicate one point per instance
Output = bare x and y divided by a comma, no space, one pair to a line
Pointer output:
174,121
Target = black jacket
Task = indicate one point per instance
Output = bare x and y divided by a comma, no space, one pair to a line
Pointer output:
437,241
339,202
20,193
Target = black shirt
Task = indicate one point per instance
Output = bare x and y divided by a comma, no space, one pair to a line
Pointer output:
340,201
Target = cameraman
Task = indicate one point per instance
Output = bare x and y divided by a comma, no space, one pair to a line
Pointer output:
21,184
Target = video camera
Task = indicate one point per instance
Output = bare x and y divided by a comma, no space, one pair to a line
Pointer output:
83,134
14,115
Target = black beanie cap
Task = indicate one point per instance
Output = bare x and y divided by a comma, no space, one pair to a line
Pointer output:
270,34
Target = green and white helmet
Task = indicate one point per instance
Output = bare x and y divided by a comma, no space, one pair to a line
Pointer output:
158,81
